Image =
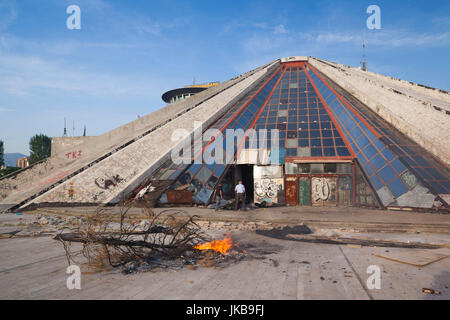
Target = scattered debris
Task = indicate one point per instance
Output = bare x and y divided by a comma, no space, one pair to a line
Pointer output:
431,291
284,233
168,240
274,263
162,242
354,246
8,235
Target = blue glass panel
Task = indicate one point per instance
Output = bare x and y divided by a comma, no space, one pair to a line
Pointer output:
362,142
368,169
316,152
380,145
343,152
398,166
397,188
219,170
376,182
329,152
378,162
316,143
361,159
370,151
291,152
388,154
387,174
356,133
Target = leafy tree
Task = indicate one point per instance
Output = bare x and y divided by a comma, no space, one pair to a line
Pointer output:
2,161
40,148
8,170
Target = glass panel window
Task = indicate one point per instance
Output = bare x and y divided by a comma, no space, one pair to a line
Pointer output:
291,168
316,168
330,168
304,168
345,168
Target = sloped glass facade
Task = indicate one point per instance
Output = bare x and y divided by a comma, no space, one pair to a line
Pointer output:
316,128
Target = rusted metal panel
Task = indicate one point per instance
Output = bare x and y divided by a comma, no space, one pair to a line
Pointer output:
291,191
179,197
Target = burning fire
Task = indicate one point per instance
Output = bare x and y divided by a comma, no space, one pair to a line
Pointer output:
222,246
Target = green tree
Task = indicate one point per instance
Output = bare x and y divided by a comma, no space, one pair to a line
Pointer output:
40,148
8,170
2,161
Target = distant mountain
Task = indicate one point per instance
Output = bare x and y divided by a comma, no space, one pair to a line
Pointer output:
11,158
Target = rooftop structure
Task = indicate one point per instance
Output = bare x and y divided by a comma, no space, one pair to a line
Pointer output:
186,92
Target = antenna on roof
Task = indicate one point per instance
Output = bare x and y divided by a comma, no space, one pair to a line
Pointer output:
363,62
84,132
65,128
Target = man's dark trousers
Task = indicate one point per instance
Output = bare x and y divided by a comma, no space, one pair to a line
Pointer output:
240,197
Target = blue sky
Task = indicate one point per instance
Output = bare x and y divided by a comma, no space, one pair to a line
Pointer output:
128,53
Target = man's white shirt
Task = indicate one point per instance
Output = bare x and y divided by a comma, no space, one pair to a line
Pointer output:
240,188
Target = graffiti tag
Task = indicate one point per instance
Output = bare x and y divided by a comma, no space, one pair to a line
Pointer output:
266,188
74,154
106,181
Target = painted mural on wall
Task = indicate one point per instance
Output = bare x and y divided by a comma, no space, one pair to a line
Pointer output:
98,189
106,181
268,184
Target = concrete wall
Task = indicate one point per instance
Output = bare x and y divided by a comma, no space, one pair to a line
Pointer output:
61,146
420,113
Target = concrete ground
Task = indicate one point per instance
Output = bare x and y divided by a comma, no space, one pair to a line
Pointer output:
35,268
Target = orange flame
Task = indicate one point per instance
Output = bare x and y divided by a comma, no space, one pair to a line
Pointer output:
222,246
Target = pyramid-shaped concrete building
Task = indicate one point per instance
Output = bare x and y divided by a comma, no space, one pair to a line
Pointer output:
298,131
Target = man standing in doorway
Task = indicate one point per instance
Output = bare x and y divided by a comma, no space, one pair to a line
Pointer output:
240,196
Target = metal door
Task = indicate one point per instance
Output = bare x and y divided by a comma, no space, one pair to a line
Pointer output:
304,192
291,187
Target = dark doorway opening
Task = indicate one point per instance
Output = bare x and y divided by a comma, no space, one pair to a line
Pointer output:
245,173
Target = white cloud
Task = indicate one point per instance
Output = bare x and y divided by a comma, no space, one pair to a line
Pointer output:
22,75
385,38
280,29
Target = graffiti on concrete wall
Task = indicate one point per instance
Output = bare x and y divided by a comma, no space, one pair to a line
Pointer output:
106,181
268,184
7,186
323,190
74,154
268,190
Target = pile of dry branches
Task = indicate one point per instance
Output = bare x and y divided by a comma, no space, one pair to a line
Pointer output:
162,240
